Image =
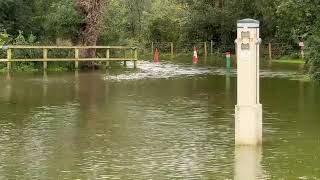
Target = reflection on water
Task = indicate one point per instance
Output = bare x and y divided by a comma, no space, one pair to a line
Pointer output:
160,71
163,122
165,70
248,163
5,92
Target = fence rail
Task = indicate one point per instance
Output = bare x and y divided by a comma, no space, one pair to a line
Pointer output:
176,48
77,58
68,47
270,50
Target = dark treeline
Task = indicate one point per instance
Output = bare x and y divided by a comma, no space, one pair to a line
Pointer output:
90,22
124,21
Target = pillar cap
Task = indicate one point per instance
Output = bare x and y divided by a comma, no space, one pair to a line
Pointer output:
250,23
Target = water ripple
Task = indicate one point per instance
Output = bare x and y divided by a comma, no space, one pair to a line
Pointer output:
148,70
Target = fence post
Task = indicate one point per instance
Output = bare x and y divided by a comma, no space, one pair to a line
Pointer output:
9,56
152,47
171,48
135,58
125,62
76,54
302,53
211,47
108,57
45,58
205,49
270,51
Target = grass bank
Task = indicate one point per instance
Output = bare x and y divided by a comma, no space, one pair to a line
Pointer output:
289,61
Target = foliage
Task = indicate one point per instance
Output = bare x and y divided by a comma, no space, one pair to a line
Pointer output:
313,56
16,15
4,38
161,20
62,21
163,29
25,53
297,18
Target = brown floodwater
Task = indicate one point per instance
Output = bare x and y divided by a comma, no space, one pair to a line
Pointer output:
167,121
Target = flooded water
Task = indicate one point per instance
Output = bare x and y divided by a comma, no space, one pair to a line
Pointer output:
167,121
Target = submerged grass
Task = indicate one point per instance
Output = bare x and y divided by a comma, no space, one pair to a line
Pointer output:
52,67
304,78
289,61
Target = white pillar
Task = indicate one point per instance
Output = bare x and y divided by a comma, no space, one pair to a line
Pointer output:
248,111
248,163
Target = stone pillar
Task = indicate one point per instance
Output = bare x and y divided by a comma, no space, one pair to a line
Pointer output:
248,111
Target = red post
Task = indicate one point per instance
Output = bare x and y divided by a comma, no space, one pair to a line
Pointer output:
195,56
156,56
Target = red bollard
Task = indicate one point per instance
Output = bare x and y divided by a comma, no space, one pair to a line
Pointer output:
156,56
195,56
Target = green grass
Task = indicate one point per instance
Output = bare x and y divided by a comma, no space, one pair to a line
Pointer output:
305,78
30,68
289,61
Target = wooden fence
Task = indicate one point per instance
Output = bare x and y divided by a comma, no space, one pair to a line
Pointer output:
173,48
76,59
268,50
278,50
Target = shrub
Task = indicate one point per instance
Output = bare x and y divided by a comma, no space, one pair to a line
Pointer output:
5,39
313,56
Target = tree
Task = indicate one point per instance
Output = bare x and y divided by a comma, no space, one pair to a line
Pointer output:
16,15
61,21
90,29
313,56
297,18
164,21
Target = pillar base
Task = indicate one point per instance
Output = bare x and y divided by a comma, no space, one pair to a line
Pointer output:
248,125
248,163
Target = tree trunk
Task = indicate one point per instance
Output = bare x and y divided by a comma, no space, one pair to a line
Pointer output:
92,10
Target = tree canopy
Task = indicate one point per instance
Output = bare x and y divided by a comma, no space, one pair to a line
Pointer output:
125,21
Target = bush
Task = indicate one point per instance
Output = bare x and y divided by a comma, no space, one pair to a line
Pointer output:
6,39
313,56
